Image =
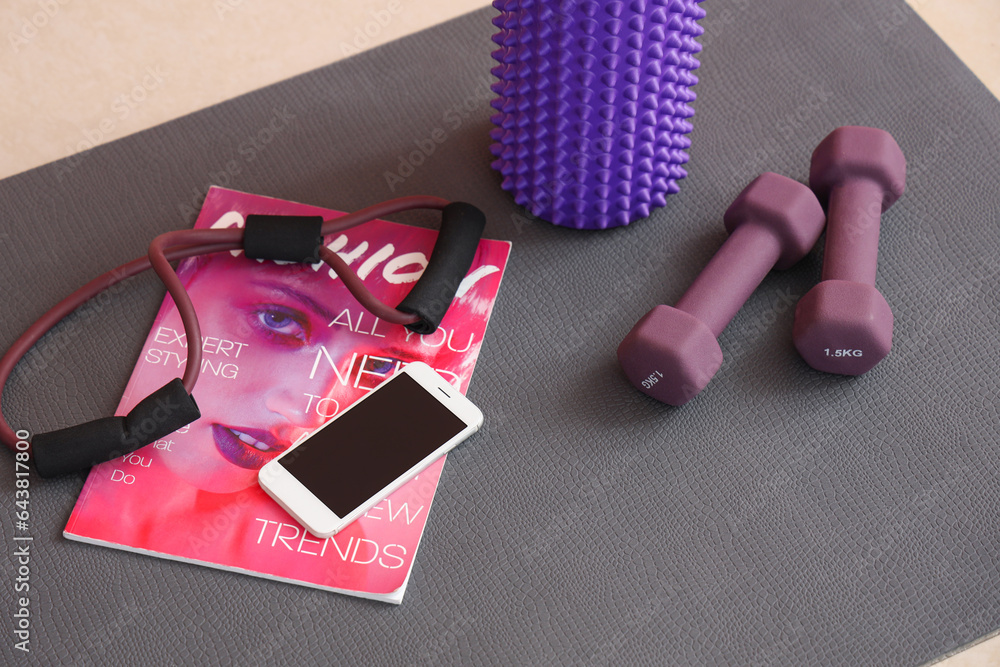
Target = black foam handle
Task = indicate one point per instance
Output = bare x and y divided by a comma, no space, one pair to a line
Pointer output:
289,238
78,447
461,229
85,445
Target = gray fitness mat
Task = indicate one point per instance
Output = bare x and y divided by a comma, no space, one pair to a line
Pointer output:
783,517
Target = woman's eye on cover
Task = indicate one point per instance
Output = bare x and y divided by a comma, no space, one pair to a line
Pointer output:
380,364
281,325
370,371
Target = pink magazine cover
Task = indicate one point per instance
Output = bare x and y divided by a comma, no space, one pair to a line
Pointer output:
286,347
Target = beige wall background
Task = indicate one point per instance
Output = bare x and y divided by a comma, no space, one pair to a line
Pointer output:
75,74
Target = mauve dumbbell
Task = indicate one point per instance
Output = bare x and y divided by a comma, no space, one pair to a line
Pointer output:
672,353
843,325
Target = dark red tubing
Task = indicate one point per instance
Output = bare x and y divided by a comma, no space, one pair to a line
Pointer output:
175,246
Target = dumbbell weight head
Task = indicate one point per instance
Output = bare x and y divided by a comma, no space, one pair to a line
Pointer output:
672,353
787,209
854,152
844,325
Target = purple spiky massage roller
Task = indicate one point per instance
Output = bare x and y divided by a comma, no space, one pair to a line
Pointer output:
593,105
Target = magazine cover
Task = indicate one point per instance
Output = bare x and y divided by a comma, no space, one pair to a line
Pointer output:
286,348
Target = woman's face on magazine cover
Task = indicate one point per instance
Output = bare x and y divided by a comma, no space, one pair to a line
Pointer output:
282,353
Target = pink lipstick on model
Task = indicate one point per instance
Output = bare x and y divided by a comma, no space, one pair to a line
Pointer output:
247,447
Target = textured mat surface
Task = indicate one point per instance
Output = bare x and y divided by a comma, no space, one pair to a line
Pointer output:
782,517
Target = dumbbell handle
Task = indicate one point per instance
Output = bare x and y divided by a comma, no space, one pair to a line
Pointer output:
729,278
853,219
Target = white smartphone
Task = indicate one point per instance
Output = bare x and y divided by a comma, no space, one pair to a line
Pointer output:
332,476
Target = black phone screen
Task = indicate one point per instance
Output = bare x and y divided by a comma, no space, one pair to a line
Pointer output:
372,444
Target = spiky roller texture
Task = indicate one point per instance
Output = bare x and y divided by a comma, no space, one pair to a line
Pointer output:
593,105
